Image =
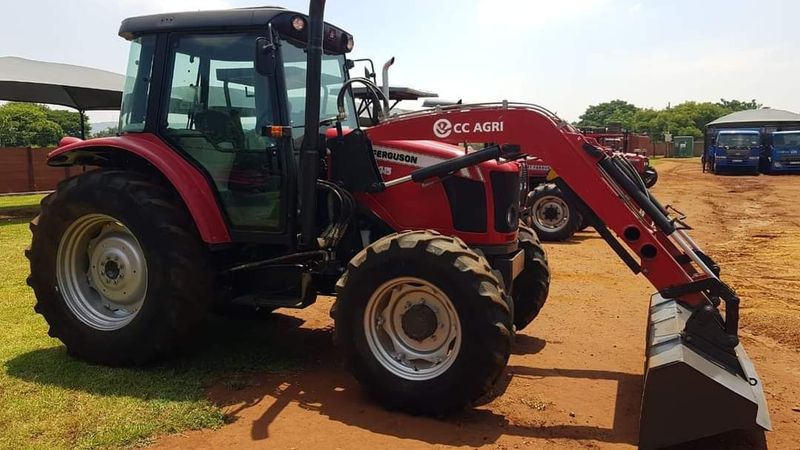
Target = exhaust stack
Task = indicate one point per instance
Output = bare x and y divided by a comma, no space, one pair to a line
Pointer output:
309,152
385,87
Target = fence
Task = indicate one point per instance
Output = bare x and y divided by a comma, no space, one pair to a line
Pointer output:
664,149
26,170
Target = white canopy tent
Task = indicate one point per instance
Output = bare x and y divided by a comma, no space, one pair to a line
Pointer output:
82,88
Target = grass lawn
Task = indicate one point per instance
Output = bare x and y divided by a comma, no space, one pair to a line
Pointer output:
50,400
17,202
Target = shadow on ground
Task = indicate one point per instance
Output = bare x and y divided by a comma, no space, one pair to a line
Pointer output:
577,238
276,362
226,346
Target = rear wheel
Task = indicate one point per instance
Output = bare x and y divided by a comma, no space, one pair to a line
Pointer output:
532,285
423,322
551,215
119,272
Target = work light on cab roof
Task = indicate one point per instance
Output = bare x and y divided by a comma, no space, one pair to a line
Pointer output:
298,23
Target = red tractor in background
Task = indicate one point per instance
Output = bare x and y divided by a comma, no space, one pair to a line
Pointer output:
547,211
241,175
633,146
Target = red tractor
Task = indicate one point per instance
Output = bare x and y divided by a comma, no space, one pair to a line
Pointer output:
550,214
215,191
631,145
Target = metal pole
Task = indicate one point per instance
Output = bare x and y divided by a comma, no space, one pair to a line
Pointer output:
309,151
83,127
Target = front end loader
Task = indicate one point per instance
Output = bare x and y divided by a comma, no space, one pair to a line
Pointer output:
241,176
698,378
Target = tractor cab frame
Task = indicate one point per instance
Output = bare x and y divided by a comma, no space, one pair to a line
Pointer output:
194,87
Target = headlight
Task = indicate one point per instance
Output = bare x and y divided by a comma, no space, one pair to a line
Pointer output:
298,23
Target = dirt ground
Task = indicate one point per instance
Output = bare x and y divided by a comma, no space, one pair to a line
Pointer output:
575,378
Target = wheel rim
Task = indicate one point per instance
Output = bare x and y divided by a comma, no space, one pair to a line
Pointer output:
412,328
550,213
101,272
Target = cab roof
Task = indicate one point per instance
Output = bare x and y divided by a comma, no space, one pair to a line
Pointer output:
219,20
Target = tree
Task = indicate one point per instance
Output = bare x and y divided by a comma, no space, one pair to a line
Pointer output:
702,113
69,121
655,123
602,114
26,124
686,119
738,105
106,133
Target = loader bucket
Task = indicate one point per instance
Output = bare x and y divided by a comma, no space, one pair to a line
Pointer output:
690,390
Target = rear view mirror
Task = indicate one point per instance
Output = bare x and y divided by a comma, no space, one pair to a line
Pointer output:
265,60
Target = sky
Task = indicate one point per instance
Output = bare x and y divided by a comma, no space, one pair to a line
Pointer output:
564,55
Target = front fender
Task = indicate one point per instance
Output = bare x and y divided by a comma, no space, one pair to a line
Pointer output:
188,181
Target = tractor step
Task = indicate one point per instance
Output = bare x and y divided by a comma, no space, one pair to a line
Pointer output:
274,286
690,393
271,302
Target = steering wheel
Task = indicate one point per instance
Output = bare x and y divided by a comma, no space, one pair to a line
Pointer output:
376,95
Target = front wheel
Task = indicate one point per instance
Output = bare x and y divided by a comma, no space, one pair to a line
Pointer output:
551,215
423,322
532,285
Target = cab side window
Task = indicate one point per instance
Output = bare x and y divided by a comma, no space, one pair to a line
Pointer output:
218,105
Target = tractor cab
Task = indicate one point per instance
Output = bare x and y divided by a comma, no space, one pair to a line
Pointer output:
233,102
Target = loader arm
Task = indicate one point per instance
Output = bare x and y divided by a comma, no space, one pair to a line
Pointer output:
698,379
577,163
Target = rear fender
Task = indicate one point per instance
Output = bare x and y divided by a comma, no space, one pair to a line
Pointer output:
187,180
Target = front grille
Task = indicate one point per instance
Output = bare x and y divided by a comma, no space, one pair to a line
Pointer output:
739,153
467,200
505,193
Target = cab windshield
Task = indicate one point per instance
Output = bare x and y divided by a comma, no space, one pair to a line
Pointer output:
786,140
738,140
334,73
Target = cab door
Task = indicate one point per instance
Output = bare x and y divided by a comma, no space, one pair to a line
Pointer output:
215,109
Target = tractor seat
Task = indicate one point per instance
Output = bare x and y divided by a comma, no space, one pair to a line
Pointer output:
221,128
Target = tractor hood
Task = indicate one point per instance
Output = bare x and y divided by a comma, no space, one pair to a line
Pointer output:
417,154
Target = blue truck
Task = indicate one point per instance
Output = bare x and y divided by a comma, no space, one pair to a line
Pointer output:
737,150
784,152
